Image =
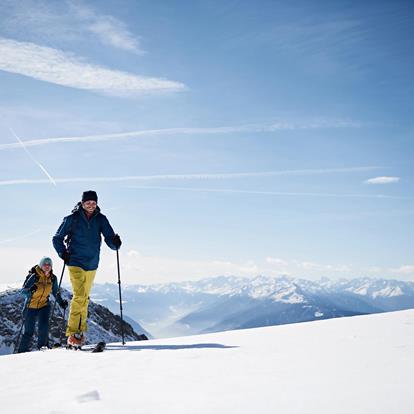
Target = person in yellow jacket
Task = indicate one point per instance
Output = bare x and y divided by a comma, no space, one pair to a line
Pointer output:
39,284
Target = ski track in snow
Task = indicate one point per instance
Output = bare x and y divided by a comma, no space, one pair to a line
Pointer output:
357,365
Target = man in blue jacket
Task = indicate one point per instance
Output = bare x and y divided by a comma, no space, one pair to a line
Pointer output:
83,229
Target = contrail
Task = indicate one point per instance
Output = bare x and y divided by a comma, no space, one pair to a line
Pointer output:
271,193
278,126
31,156
200,177
207,190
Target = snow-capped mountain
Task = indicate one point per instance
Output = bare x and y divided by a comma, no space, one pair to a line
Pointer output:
103,325
224,303
355,365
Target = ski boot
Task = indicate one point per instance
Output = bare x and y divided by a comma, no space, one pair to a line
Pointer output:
75,341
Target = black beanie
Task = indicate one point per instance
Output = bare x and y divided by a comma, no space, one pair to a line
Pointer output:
89,196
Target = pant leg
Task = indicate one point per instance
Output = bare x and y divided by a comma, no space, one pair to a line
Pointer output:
89,278
29,327
43,326
81,281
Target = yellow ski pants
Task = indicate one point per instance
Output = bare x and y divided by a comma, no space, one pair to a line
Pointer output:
81,281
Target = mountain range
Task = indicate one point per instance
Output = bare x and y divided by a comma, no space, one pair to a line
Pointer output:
227,303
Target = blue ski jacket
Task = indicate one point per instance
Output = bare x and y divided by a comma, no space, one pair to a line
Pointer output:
83,237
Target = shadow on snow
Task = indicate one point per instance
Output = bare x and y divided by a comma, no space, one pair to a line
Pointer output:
165,347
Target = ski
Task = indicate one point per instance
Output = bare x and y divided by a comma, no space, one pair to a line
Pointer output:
99,347
73,348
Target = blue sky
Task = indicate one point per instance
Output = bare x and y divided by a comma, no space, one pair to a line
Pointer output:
222,137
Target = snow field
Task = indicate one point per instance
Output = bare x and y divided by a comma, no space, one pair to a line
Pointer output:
353,365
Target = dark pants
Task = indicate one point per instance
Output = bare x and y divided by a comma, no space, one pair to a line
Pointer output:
42,316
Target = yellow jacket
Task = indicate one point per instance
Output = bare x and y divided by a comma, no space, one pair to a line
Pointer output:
44,286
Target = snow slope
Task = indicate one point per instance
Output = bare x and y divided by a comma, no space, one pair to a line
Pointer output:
361,364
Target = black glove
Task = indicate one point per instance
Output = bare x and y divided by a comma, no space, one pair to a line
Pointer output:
33,289
116,240
64,304
65,256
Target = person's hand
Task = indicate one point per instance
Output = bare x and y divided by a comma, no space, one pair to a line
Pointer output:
65,256
33,289
116,240
64,304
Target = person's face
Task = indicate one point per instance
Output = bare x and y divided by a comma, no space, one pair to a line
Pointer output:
47,267
89,206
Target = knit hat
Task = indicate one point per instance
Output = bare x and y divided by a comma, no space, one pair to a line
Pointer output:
89,196
45,260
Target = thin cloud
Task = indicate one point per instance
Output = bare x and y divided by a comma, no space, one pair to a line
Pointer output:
55,66
108,29
318,44
65,21
200,177
404,270
276,261
312,266
273,127
111,32
383,180
20,237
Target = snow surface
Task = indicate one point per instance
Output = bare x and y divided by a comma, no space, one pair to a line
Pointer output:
353,365
388,292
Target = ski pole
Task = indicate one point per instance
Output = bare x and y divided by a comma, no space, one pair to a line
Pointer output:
58,291
120,297
24,315
63,326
